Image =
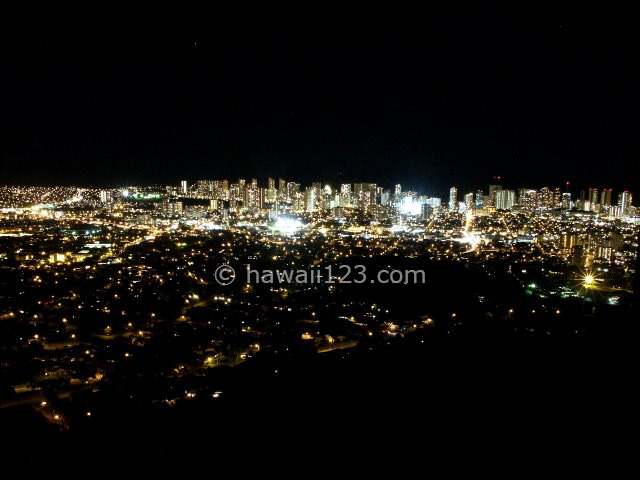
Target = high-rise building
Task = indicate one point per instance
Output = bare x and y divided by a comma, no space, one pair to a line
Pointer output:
624,202
271,194
557,198
505,199
201,189
365,195
253,197
453,199
468,201
298,201
492,194
311,199
479,199
385,197
427,211
345,195
549,199
236,196
593,199
527,199
283,191
184,187
219,189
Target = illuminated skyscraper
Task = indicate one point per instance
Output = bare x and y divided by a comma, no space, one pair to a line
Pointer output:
557,198
624,202
492,194
505,199
385,197
453,199
365,194
271,192
548,199
345,195
479,199
283,191
311,199
202,189
292,190
219,189
468,201
252,196
184,187
527,198
427,211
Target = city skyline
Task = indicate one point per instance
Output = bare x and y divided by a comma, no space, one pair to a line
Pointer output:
263,181
281,197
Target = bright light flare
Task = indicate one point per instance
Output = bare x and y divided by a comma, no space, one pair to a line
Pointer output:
288,226
410,207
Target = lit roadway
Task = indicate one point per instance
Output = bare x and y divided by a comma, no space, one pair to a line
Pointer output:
469,236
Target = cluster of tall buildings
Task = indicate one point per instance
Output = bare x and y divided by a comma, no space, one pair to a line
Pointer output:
282,196
599,202
497,198
546,198
287,196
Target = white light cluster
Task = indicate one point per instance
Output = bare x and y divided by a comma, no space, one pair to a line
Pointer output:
287,226
410,207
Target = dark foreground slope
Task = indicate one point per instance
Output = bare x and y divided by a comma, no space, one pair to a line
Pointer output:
523,403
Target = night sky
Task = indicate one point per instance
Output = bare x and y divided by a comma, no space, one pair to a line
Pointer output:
429,102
